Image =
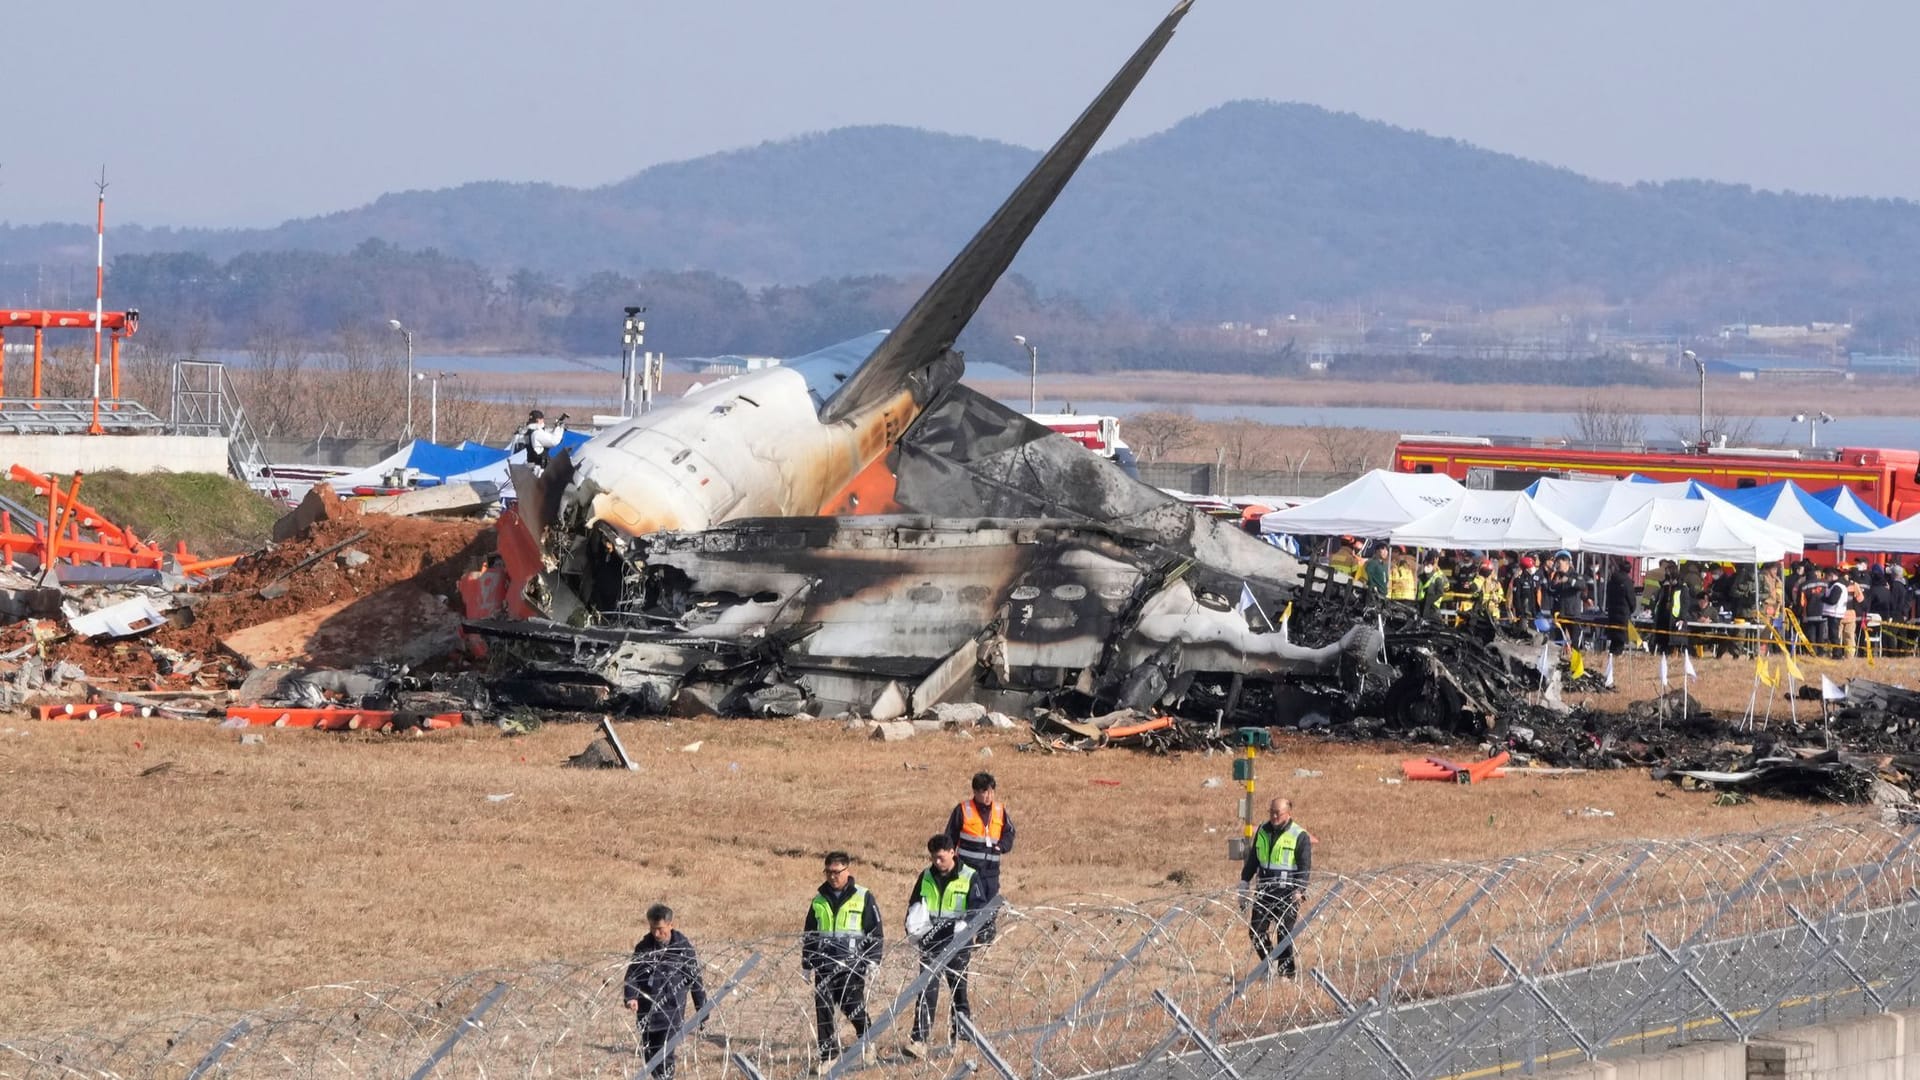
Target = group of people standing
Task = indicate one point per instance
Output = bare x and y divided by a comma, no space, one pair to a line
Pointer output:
843,938
1593,601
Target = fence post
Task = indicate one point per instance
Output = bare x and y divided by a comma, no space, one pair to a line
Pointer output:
1522,979
1632,1012
1113,970
460,1032
220,1049
1207,1045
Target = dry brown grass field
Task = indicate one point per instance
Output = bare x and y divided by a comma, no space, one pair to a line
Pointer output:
238,873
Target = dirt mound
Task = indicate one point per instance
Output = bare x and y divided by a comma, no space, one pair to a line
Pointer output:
430,554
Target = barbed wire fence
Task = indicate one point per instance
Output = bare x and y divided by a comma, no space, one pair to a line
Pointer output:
1420,971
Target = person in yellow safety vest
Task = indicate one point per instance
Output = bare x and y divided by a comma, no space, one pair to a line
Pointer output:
937,909
840,943
1488,598
1346,557
1272,881
982,833
1400,580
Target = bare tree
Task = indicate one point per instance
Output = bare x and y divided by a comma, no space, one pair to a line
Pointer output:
1345,449
1602,420
1160,434
1723,429
1245,443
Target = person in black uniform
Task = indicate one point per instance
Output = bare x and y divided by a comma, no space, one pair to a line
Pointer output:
1272,879
664,969
840,943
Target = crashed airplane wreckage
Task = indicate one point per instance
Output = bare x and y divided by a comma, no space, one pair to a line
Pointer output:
801,538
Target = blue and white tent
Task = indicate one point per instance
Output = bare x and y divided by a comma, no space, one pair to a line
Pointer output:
1848,505
433,464
1786,504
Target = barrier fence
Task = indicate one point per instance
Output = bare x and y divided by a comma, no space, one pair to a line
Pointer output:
1421,971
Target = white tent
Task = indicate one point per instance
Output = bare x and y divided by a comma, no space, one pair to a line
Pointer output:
1591,504
1901,536
1374,505
1707,529
1489,521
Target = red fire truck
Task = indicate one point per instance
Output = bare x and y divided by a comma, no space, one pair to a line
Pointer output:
1887,480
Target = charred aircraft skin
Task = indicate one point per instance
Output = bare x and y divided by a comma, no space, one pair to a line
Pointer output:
1007,613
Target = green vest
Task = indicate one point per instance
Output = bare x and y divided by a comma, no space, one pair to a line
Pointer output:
948,903
847,921
1276,855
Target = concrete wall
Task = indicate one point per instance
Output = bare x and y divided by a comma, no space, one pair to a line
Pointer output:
66,454
1884,1047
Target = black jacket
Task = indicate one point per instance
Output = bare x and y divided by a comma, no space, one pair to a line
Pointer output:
1620,598
659,978
822,954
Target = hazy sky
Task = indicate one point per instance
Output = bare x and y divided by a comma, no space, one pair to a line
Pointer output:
246,113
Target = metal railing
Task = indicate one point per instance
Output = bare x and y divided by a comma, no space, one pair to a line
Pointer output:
75,416
204,402
1422,971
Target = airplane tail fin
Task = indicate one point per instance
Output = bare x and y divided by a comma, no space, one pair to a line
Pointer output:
937,318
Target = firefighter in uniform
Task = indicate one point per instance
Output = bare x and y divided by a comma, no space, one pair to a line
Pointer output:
981,833
945,893
840,944
1272,880
1433,586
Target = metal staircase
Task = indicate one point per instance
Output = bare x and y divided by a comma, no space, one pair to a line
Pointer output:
205,403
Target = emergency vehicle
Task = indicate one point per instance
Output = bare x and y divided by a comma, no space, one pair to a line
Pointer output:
1099,434
1887,480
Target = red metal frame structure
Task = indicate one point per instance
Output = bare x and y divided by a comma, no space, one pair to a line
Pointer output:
120,323
78,533
1887,480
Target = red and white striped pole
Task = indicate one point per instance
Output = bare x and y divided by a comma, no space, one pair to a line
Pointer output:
99,290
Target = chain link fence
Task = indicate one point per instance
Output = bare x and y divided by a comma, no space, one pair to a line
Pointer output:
1431,970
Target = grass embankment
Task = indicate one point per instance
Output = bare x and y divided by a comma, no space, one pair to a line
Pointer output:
213,514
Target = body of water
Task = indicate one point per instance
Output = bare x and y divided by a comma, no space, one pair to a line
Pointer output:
1880,431
1893,432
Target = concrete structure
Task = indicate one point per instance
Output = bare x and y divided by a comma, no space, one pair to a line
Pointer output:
64,454
1880,1047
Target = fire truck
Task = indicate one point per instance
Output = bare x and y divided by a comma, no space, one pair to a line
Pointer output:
1099,434
1887,480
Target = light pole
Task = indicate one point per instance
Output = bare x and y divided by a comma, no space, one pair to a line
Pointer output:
433,400
1689,354
408,334
1813,422
1033,373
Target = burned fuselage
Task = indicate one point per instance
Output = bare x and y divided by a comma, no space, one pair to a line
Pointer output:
1001,612
973,553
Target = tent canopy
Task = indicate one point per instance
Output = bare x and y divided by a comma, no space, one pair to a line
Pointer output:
1786,504
1591,504
1901,536
1707,529
447,464
1489,520
1373,505
1849,506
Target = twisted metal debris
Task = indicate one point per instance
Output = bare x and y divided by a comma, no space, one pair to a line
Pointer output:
1415,971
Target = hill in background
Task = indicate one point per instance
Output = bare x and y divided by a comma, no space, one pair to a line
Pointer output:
1247,210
